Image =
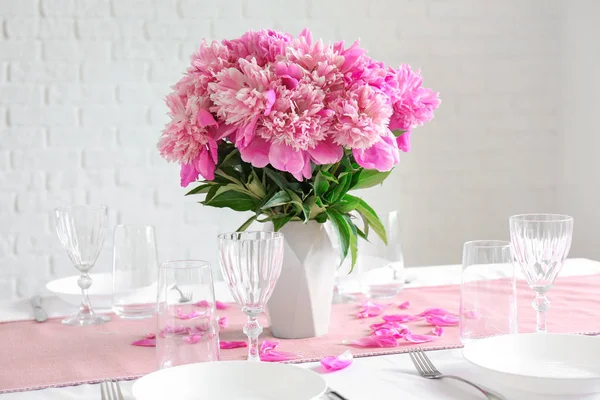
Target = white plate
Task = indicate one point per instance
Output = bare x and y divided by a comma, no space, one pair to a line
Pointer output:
558,364
100,292
231,380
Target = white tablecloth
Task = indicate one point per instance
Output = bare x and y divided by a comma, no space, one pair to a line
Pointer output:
369,378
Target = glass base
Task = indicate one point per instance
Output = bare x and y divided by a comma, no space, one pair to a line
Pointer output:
86,320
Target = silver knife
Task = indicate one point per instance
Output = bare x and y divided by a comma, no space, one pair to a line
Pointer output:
333,395
38,312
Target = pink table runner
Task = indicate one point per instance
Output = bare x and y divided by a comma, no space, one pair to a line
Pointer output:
34,355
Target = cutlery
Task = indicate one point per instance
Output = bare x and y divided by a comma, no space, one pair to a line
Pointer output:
110,390
184,297
427,370
333,395
38,312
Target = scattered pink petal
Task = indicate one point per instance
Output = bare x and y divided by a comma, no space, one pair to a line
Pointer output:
202,303
442,320
434,311
150,336
223,322
374,341
333,363
404,305
372,304
397,333
399,318
221,306
173,330
268,346
192,315
145,342
275,356
412,338
471,314
193,338
437,331
368,312
388,325
232,345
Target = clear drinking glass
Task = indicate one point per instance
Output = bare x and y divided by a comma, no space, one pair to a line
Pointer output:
81,230
135,271
188,328
488,292
541,243
380,266
251,263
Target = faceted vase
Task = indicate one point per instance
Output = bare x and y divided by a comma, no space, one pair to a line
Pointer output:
300,306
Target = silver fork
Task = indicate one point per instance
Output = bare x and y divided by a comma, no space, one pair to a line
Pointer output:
110,390
184,297
427,370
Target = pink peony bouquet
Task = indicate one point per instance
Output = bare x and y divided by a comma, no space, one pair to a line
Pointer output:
285,127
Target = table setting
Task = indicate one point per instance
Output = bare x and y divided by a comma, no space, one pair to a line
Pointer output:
290,131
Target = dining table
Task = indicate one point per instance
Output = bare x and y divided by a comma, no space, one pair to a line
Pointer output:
367,378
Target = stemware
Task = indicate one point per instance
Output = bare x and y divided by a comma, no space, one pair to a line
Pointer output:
540,244
488,291
81,230
251,263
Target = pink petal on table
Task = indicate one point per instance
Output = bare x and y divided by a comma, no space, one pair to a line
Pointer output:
388,325
232,345
373,341
437,331
275,356
193,338
372,304
412,338
442,320
192,315
397,333
404,305
223,322
145,342
434,311
150,336
268,346
221,306
173,330
333,363
399,318
202,303
368,312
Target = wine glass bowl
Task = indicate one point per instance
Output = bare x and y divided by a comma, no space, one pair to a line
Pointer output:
540,245
251,264
81,230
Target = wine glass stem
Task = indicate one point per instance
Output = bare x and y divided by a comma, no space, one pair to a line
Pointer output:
541,304
252,329
84,282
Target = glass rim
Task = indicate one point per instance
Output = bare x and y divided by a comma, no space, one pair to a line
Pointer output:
537,217
488,243
184,264
272,236
81,206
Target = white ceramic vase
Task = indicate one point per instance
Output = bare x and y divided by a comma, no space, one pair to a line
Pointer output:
300,306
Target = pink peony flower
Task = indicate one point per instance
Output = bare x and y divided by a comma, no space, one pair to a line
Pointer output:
413,105
362,117
265,46
382,156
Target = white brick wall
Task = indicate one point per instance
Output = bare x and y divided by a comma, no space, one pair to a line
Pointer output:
81,109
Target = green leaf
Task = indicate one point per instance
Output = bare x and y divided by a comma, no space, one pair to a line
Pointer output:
321,184
228,160
329,176
370,216
353,241
321,218
369,177
398,132
211,192
347,203
343,231
255,186
361,233
237,201
278,223
313,206
200,189
277,178
280,198
345,180
299,204
246,224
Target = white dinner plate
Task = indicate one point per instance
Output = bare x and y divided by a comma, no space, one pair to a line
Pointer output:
100,293
558,364
231,380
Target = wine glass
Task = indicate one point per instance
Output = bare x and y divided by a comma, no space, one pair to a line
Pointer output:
80,230
251,263
540,244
